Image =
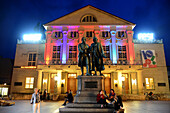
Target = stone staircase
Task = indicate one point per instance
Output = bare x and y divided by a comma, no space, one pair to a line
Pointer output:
86,108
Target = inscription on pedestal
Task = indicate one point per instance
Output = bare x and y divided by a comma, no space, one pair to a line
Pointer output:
91,84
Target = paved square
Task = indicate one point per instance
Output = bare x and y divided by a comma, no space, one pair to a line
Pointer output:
24,106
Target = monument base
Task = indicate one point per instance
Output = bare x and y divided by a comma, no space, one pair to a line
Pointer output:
88,88
85,99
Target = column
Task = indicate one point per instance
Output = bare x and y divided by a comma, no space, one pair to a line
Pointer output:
59,74
80,35
112,80
48,56
64,52
39,79
140,82
134,82
131,47
113,50
120,82
49,82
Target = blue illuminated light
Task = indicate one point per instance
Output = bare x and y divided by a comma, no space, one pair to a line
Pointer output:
145,36
32,37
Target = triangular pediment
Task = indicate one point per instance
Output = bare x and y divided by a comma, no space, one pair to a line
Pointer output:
103,18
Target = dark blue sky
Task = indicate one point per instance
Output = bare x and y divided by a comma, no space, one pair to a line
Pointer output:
18,17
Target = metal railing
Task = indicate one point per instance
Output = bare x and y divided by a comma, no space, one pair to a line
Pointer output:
73,62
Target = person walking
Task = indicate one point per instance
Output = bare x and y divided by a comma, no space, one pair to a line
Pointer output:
45,94
35,100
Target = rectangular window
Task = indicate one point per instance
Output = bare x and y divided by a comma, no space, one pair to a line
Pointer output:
121,33
29,82
149,83
106,51
89,34
3,91
161,84
105,34
72,51
122,53
71,75
58,34
73,34
56,52
17,83
32,59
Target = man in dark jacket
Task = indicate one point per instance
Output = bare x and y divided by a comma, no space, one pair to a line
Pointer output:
97,56
84,58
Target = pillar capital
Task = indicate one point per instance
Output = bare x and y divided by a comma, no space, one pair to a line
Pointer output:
113,33
130,32
48,32
65,32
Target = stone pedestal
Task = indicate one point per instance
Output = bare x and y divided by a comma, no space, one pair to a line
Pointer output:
85,99
88,88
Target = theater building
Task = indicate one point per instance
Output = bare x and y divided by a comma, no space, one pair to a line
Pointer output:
132,66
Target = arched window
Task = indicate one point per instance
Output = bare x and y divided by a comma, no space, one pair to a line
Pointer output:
88,18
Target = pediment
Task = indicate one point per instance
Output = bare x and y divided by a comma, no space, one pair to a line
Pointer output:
103,18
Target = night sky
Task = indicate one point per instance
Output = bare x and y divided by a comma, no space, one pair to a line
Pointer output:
18,17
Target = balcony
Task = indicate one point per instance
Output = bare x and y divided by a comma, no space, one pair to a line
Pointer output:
137,41
73,62
31,42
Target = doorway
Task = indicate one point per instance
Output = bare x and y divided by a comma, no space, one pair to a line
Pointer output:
71,85
125,83
107,85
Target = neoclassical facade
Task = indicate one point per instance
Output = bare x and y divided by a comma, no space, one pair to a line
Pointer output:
132,67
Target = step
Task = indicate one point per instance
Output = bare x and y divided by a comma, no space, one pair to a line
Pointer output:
75,105
86,110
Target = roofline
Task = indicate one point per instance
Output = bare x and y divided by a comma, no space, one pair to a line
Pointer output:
64,25
94,8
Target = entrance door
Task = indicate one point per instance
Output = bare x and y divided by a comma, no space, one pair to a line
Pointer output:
71,85
125,83
107,82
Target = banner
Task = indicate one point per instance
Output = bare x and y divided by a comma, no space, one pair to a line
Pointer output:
148,58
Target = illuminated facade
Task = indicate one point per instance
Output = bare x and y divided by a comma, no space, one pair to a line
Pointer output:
52,64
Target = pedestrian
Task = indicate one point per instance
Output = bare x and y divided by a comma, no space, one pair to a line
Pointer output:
118,105
35,100
45,94
112,95
101,99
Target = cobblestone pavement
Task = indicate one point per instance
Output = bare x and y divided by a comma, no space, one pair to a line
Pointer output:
23,106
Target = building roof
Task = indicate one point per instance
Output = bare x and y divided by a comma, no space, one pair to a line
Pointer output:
103,18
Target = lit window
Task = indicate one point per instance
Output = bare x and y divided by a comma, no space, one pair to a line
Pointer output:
32,59
72,51
107,75
122,53
106,51
56,52
3,91
149,83
88,18
71,75
29,82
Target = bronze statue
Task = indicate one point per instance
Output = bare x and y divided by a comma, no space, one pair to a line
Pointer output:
97,56
84,56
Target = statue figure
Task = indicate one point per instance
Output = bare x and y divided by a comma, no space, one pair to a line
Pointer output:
84,56
97,56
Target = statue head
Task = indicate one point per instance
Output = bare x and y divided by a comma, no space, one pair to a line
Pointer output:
83,39
95,39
